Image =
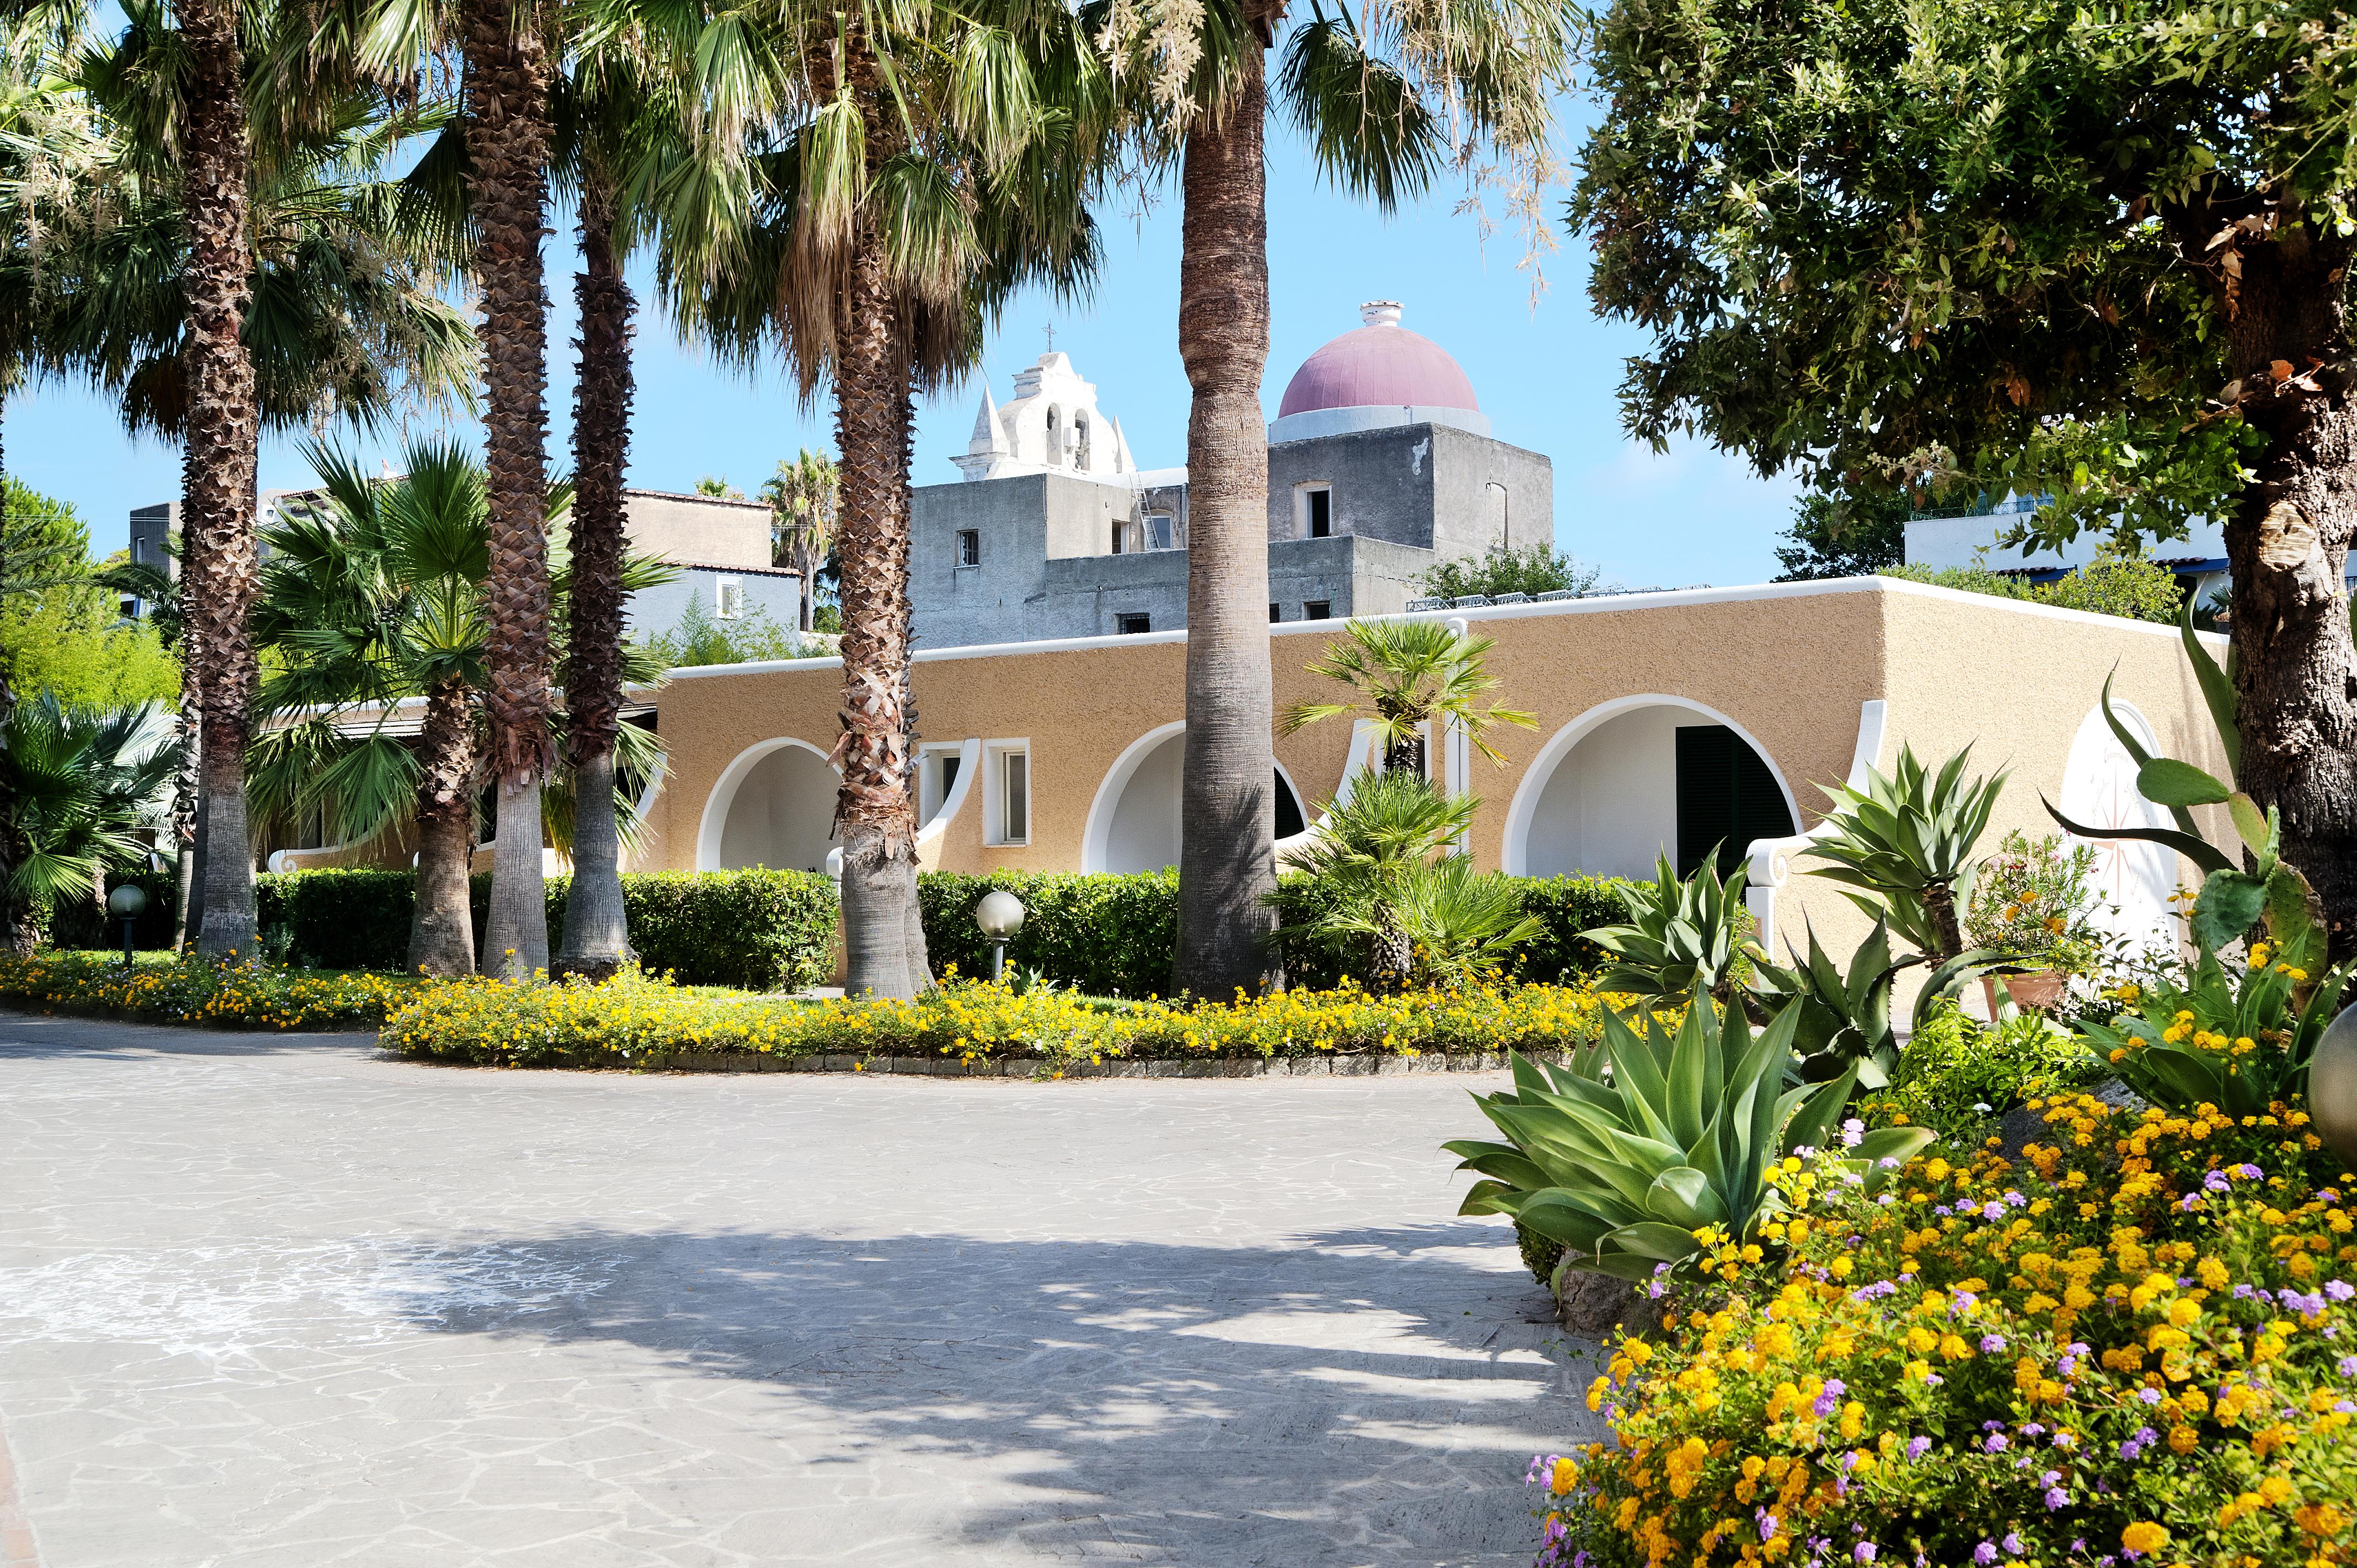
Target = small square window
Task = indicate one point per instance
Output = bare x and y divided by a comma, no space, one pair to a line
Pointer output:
969,547
1318,609
1008,807
1132,623
728,596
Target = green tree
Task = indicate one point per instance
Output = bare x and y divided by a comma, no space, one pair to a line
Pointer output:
1388,96
1534,569
802,495
2098,253
1841,535
752,638
1408,677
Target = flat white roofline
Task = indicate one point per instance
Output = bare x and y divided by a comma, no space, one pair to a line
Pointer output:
1601,603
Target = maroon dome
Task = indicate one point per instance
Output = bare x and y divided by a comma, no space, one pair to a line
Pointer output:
1381,364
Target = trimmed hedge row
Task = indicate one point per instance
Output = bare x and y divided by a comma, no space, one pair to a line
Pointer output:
774,930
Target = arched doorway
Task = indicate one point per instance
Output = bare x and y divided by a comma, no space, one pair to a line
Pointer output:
2134,880
1134,822
1639,777
774,807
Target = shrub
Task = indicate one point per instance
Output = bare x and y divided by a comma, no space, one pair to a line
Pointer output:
195,990
1109,935
77,922
1958,1072
635,1020
343,918
2033,901
764,930
2135,1343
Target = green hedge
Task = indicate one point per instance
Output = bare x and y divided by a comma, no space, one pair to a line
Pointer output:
773,930
765,930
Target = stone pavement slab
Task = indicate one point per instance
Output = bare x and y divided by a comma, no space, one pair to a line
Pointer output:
278,1300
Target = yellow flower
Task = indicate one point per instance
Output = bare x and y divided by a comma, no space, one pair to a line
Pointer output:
2144,1536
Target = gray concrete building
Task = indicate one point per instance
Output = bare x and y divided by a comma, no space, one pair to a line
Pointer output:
1381,465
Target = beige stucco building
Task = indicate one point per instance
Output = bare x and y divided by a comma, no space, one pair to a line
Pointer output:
1661,718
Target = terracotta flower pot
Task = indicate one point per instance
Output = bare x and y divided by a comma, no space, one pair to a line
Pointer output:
2042,991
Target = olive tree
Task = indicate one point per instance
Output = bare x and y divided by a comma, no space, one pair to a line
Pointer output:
2096,253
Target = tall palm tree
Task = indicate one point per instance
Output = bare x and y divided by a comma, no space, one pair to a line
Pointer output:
865,185
1407,676
1388,96
802,496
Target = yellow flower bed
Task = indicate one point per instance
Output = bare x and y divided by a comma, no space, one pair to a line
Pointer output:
196,991
635,1020
2135,1348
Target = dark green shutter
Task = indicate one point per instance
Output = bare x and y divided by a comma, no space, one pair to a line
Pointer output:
1727,796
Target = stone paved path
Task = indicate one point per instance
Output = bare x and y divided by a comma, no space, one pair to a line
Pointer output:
280,1302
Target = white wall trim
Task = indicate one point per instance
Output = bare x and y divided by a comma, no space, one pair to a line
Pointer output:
930,836
1522,814
994,789
715,821
1353,765
1770,860
1097,832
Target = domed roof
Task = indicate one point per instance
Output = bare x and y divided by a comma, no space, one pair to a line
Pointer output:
1383,364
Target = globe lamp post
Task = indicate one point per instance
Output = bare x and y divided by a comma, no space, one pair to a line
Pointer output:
1000,915
127,902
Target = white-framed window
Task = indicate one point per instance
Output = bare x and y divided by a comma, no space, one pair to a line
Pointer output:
1006,791
1161,532
936,776
728,598
1313,510
969,547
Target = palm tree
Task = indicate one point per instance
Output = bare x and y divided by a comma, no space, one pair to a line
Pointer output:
801,497
373,594
1407,674
864,186
1388,95
77,789
331,310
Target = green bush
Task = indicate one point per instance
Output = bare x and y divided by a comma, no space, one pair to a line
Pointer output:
1105,935
336,919
764,930
1955,1064
79,923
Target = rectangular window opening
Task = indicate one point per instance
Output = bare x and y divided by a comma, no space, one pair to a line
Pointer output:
969,547
1131,624
1015,797
1274,615
728,594
1318,609
1321,505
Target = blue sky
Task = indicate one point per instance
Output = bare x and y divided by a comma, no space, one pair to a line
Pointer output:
1545,379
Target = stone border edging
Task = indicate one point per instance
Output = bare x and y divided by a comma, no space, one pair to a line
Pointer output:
1360,1064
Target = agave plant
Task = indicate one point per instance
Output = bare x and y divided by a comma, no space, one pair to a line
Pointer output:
1845,1015
1906,842
1680,936
1657,1136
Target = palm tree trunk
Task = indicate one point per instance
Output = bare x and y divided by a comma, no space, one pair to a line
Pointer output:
442,924
507,146
184,787
217,506
1226,862
597,932
875,818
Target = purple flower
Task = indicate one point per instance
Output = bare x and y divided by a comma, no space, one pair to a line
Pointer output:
1962,1302
2034,1428
2056,1498
1994,1443
2339,1289
1767,1522
2249,1172
1943,1211
1830,1400
1917,1447
2347,1366
2014,1200
1992,1343
1993,1210
2216,1181
1985,1554
2012,1545
1862,1552
2188,1203
2241,1293
2149,1396
1852,1133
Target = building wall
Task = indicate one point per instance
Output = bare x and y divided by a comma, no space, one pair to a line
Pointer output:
1381,479
652,612
702,530
1486,492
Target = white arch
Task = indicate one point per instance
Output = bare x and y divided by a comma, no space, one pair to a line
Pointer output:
2134,879
1771,859
724,795
930,836
1096,835
1523,813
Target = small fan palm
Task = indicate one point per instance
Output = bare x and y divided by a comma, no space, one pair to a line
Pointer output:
1408,674
78,789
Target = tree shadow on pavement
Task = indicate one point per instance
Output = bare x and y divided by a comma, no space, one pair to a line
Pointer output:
1358,1397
